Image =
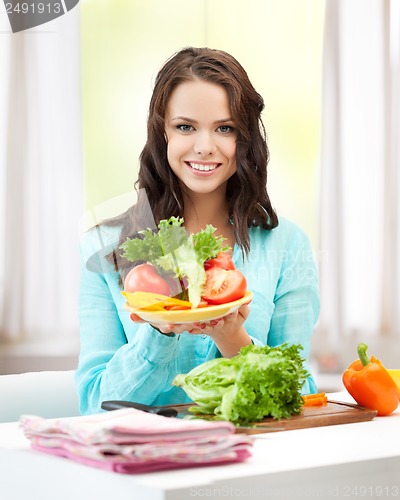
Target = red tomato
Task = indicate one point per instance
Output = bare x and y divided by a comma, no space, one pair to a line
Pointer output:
144,278
223,260
224,286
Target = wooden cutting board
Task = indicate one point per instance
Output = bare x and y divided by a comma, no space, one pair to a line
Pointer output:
333,413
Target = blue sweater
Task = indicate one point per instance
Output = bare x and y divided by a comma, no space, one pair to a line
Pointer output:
123,360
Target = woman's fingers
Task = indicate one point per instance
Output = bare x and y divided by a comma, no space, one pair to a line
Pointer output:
244,311
136,319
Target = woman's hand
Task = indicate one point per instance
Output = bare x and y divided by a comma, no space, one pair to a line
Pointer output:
226,326
230,334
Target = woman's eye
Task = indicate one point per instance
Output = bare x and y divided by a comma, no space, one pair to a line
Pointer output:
185,128
225,129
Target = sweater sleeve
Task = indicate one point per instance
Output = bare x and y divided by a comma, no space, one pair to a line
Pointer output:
118,359
296,300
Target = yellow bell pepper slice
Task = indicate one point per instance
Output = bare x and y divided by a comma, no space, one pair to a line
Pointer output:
153,301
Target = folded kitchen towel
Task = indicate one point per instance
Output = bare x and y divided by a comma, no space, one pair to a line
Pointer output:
132,441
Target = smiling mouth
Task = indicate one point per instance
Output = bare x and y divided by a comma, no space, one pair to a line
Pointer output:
203,167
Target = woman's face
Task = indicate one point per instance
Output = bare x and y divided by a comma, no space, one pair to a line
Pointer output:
201,136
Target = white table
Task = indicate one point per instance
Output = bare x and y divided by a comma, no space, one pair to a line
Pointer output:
360,460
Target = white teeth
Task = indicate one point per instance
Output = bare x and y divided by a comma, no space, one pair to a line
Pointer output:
203,168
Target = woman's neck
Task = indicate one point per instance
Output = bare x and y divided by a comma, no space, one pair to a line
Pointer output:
203,209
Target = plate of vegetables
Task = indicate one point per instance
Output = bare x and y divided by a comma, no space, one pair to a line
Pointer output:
181,277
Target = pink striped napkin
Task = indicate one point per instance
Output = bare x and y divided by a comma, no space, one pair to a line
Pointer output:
132,441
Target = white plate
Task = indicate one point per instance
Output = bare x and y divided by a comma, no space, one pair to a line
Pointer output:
192,315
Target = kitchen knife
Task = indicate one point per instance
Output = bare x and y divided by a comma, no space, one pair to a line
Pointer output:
158,410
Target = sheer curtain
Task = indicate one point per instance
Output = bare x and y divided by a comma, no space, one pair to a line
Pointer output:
40,181
360,179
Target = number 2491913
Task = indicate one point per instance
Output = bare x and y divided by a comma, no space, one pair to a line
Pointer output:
33,8
376,491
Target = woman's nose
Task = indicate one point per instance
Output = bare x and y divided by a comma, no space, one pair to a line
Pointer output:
204,144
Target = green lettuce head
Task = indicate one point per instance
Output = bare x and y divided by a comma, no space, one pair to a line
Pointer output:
259,382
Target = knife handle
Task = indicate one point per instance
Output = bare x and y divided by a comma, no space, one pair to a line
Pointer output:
158,410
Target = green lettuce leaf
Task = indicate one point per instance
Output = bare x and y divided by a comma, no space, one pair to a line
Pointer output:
184,262
259,382
150,245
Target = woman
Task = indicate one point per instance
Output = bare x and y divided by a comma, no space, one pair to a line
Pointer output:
205,160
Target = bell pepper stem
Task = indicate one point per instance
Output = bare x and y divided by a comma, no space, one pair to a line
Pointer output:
362,354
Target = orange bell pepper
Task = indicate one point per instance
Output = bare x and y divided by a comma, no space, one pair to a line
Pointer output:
370,384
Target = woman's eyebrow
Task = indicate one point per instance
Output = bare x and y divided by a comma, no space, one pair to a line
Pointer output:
184,118
191,120
224,120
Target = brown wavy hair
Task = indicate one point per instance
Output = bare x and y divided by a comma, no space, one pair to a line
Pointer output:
249,203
